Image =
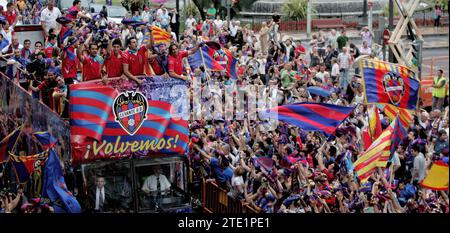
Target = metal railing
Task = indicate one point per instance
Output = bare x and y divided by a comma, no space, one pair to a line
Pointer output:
351,20
216,200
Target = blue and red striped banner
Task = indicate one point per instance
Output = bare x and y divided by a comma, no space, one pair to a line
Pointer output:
313,116
90,107
178,130
97,134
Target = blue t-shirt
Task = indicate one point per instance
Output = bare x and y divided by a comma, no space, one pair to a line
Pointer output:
222,175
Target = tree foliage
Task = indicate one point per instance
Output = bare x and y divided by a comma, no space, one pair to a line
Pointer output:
296,9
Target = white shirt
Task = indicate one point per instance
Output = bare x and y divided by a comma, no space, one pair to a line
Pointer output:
218,23
190,23
396,159
5,49
335,70
365,51
7,35
344,60
419,166
146,16
99,192
237,180
150,184
140,37
159,12
262,66
174,36
49,17
321,76
233,30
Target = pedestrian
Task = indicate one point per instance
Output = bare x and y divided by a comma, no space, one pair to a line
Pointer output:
342,40
344,64
366,36
263,36
439,85
437,16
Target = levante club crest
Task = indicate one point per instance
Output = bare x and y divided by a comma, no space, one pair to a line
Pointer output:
130,111
394,86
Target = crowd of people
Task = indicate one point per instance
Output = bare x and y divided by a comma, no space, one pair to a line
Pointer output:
308,171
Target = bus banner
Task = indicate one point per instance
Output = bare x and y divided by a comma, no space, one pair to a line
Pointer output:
119,119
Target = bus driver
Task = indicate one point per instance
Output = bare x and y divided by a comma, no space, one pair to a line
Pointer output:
156,184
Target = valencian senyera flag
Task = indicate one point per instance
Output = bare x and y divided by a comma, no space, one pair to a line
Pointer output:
311,116
160,36
377,155
389,83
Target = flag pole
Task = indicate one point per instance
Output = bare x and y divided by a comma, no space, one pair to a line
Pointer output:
203,58
391,177
17,139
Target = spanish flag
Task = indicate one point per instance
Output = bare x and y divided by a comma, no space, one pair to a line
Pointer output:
437,178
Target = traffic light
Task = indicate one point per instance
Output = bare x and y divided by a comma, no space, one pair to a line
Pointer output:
415,49
415,53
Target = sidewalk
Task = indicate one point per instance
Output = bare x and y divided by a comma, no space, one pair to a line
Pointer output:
353,34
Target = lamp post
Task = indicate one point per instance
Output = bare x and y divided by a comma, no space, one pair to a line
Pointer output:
308,19
391,25
370,19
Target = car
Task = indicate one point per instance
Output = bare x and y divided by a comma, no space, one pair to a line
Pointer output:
115,13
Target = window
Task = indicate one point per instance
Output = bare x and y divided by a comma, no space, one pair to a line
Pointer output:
160,183
115,177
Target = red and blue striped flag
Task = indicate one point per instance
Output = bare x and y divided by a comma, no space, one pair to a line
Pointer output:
154,127
389,83
7,144
203,58
312,116
178,130
90,106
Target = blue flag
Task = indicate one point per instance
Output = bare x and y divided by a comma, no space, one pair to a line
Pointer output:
54,187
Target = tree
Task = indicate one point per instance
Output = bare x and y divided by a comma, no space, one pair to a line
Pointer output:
296,9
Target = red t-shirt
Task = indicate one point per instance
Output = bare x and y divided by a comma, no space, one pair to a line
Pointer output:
114,65
72,9
91,69
156,67
10,17
48,51
175,63
136,61
69,64
198,27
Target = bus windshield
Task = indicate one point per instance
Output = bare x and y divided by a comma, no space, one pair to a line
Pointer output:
160,183
147,185
113,180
